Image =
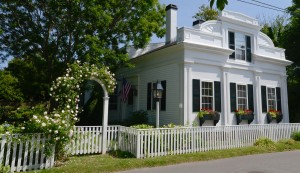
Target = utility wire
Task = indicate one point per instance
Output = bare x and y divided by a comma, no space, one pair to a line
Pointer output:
262,6
268,4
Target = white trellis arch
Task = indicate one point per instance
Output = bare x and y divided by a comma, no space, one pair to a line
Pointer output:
105,114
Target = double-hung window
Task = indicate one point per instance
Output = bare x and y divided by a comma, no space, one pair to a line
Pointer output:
241,97
206,95
241,44
271,99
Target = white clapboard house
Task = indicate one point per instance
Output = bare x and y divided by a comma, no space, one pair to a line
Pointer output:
223,64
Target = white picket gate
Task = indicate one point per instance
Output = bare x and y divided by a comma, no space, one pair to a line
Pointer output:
170,141
88,139
22,155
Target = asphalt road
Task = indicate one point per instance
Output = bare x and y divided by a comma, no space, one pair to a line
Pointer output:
284,162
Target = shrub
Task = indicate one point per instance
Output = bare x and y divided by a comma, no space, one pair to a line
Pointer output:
296,136
171,125
265,143
142,126
287,141
4,169
139,117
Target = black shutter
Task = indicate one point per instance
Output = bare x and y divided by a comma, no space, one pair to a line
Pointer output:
264,98
278,97
153,100
231,44
196,95
250,97
233,97
217,90
248,48
149,88
130,97
163,99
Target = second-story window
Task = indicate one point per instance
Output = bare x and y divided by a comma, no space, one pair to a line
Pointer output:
241,44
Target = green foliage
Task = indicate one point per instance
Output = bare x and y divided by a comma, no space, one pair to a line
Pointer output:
47,35
291,42
139,117
296,136
142,126
171,125
60,120
220,4
287,141
206,13
275,30
18,116
265,143
9,88
4,169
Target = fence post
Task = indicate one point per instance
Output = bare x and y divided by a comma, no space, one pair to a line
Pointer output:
104,124
138,144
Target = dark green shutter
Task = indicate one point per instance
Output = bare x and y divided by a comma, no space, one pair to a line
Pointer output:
149,88
264,98
233,97
248,48
250,97
231,44
130,97
164,98
196,95
153,100
217,90
278,97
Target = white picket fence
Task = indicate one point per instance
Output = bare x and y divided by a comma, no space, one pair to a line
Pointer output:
29,155
88,139
23,155
171,141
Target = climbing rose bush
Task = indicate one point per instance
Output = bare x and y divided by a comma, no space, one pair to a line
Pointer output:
65,91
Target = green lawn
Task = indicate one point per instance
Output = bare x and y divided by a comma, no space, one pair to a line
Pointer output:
109,163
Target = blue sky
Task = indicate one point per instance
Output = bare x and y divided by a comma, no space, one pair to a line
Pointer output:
188,8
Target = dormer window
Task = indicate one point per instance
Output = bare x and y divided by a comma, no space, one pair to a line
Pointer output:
241,44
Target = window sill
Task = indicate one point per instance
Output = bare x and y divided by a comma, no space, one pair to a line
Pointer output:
239,62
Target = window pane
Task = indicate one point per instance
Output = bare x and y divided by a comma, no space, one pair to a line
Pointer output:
242,97
271,99
207,95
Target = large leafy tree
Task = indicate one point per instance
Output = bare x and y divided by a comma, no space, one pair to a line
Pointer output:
275,30
291,42
47,35
206,13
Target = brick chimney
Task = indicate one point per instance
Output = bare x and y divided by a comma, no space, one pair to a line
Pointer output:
171,23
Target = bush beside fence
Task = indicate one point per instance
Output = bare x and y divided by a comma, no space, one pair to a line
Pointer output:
25,154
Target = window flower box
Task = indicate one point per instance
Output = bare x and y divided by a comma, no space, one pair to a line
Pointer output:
208,114
274,115
244,115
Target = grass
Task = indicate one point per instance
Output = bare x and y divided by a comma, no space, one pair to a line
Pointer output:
111,163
